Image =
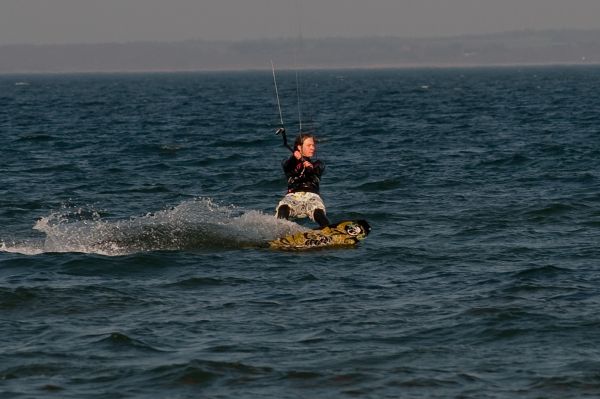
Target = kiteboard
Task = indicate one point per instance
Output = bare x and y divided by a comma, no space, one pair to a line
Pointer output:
343,234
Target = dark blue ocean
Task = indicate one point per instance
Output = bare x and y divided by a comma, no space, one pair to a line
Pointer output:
134,209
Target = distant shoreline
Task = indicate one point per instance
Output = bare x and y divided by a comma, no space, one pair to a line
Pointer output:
510,49
345,68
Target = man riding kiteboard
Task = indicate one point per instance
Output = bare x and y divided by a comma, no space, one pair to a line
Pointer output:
303,178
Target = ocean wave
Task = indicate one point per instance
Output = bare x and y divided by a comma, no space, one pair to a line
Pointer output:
537,272
36,137
121,341
15,298
197,282
381,185
200,372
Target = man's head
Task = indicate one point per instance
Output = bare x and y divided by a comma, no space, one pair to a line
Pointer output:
306,144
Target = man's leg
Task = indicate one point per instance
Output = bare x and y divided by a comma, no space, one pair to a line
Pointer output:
321,218
283,212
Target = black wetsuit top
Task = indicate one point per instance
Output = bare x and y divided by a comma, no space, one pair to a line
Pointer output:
301,178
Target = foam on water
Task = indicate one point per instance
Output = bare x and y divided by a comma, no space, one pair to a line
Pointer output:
193,224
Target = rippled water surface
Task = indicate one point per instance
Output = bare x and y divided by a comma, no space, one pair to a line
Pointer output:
134,210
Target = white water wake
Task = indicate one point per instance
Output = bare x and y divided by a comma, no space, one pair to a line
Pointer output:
193,224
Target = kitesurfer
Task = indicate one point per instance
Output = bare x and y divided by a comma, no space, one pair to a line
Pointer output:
304,175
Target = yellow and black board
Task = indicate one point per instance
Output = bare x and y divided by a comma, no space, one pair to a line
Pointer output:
344,234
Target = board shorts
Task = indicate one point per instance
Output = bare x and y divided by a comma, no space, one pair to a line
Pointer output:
302,204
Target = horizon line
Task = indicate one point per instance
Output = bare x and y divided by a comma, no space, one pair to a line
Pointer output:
309,38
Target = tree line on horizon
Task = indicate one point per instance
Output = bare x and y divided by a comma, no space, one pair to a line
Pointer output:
509,48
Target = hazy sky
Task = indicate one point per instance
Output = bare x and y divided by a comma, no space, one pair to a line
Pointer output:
85,21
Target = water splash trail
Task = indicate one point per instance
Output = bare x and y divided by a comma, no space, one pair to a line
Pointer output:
193,224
